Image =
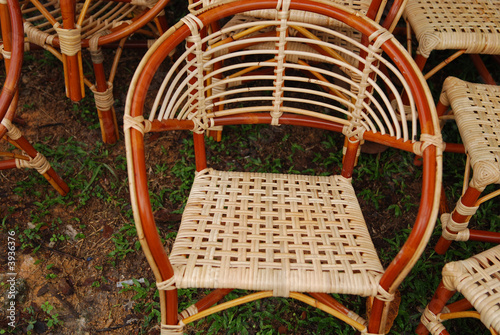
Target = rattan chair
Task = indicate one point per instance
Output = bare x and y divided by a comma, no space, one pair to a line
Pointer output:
12,52
65,27
468,26
478,280
297,236
476,111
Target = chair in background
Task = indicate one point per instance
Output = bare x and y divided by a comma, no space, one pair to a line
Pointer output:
65,27
12,52
297,236
478,280
468,26
372,9
476,111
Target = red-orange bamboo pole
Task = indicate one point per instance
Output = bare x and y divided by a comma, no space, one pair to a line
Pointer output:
72,63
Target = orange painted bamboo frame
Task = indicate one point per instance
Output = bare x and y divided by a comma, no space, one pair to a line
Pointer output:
400,266
8,97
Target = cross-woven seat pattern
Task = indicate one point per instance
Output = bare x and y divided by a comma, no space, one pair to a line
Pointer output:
473,25
478,280
263,231
477,113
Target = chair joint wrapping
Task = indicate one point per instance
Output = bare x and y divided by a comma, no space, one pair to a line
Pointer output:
431,321
172,329
190,311
69,39
12,131
38,163
427,140
103,100
454,231
166,285
138,123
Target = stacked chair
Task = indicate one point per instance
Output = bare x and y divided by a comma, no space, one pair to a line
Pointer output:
65,27
12,52
467,26
476,110
275,234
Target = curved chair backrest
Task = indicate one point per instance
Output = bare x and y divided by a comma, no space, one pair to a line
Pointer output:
218,81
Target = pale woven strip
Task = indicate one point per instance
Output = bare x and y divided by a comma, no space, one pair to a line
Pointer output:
199,117
103,100
69,39
166,285
138,122
38,163
431,322
356,129
12,131
37,36
279,71
191,310
473,25
145,3
427,140
94,49
275,232
478,280
172,329
454,231
477,113
6,54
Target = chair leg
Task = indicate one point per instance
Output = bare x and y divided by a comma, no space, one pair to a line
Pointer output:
435,306
481,68
457,223
37,161
103,95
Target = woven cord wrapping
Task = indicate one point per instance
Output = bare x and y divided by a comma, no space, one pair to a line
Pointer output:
355,128
457,231
138,123
431,321
427,140
103,100
37,36
283,14
38,163
170,329
197,90
69,39
6,54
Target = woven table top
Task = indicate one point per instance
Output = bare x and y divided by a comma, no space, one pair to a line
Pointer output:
286,233
473,25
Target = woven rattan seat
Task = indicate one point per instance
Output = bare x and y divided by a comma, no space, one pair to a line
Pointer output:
272,234
478,280
476,110
471,26
227,238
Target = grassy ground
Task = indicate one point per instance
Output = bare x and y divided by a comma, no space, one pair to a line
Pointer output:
88,242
